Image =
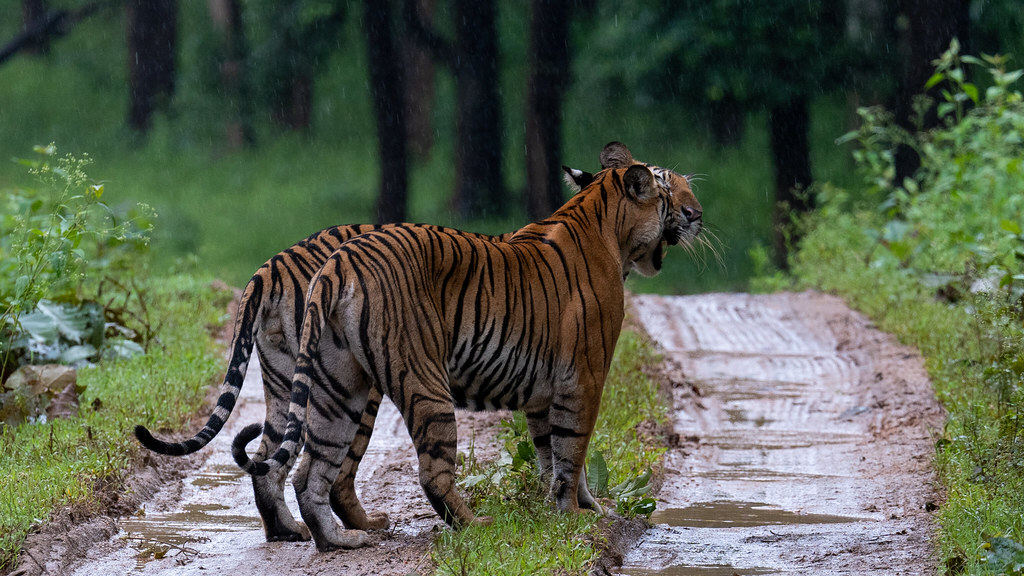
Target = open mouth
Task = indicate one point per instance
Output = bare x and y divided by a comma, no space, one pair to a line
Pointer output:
671,235
658,255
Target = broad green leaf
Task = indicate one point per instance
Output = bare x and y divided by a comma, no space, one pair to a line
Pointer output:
972,92
597,474
122,348
935,79
1010,226
78,353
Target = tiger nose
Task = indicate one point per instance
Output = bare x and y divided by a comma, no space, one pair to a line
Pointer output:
692,214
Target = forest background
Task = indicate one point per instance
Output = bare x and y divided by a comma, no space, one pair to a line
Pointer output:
249,124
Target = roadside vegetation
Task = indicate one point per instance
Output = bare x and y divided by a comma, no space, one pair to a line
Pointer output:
938,259
91,343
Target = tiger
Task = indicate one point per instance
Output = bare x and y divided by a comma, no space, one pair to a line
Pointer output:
269,314
437,319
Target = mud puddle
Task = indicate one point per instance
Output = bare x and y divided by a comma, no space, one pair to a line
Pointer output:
806,442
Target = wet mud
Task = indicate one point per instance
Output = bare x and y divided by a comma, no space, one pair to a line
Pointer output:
208,523
804,442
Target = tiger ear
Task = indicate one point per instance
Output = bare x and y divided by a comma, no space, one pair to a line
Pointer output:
616,155
577,179
638,182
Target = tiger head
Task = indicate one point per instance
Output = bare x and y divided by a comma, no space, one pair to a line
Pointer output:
664,210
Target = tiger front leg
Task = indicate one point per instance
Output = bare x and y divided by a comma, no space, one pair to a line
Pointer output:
540,432
434,434
572,424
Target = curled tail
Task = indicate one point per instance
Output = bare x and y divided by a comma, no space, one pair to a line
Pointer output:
324,290
241,350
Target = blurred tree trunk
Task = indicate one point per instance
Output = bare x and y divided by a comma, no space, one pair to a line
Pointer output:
389,108
227,19
33,15
726,118
473,59
152,42
418,66
548,81
479,181
789,124
930,26
294,101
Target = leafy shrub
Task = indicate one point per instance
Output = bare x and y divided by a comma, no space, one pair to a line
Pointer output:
68,264
959,218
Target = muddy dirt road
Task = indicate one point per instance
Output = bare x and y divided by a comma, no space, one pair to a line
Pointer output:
805,442
206,522
802,445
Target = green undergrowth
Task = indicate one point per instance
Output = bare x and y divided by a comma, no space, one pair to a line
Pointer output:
73,462
528,535
938,260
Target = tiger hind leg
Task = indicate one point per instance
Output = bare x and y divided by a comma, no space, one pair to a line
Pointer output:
335,409
344,500
278,523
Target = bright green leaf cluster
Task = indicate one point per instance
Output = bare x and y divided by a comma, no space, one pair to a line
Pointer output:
61,247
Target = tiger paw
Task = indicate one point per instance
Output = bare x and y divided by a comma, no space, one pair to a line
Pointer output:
377,521
296,533
342,540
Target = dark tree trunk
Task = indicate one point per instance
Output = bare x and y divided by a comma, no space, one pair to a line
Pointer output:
727,117
789,125
152,41
294,102
227,19
931,25
418,66
548,81
33,15
386,87
479,182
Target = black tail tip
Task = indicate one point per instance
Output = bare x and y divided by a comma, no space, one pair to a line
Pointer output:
145,437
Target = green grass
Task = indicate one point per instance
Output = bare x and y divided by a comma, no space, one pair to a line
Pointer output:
69,462
528,535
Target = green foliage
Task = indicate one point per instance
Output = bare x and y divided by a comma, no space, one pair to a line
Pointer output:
960,214
61,248
703,52
937,259
1003,556
528,535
